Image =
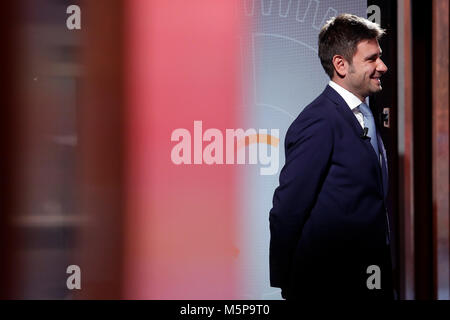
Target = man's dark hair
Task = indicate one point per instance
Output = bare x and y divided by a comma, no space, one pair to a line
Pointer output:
341,35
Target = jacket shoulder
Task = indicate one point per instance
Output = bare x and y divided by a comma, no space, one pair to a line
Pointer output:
315,116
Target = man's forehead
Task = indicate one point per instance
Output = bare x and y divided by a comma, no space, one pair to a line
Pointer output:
368,47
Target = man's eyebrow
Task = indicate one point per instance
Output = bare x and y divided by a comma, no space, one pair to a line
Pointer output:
374,55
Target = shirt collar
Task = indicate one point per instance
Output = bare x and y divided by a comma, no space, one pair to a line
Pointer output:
351,100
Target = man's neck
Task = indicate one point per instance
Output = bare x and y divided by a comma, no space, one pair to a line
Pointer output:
342,83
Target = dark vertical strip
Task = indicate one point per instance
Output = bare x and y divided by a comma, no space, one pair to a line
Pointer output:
422,97
6,145
10,145
101,150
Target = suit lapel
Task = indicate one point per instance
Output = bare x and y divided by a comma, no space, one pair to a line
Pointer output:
344,110
384,166
350,118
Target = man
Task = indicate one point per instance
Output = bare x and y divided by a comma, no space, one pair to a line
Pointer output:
329,227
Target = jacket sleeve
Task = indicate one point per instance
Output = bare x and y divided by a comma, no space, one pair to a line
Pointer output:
308,149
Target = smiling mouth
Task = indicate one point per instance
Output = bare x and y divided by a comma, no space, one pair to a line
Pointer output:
376,79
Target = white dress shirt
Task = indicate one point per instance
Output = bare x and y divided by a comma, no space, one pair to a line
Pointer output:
352,101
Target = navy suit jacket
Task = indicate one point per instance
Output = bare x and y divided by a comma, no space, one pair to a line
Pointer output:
329,218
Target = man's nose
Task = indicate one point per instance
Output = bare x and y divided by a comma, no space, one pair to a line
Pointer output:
381,67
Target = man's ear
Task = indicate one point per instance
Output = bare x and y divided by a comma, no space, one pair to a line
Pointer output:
340,65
